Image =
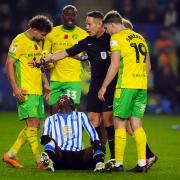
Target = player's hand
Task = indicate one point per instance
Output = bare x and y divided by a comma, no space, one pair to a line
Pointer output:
101,93
19,93
34,64
47,91
48,58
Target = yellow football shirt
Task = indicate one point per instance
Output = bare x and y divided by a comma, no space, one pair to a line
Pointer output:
133,52
24,50
68,69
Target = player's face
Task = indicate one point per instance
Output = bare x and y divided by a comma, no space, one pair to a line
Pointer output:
109,28
93,26
39,35
69,18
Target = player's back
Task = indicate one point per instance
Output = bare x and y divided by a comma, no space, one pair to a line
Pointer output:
68,69
134,53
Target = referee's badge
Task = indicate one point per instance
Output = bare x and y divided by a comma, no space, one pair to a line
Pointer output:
103,55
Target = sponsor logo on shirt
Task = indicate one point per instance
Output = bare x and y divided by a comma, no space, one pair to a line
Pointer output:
74,36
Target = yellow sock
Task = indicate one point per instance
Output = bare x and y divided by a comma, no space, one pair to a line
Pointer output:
20,141
33,142
140,137
120,144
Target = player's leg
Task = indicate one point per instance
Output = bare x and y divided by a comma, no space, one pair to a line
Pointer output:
108,117
109,126
50,156
139,105
151,158
35,114
92,157
94,108
73,89
56,91
11,156
121,110
95,120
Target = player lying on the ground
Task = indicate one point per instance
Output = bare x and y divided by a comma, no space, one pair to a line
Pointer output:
63,140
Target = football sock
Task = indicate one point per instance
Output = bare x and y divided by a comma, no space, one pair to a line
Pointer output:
140,137
149,153
31,133
120,144
98,130
20,141
110,133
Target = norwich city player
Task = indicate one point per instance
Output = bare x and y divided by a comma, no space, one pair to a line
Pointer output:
130,58
65,75
26,83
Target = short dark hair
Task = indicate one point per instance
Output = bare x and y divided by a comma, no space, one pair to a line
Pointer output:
41,23
95,14
65,104
69,7
112,17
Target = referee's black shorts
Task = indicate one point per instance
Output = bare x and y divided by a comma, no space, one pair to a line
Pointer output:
94,104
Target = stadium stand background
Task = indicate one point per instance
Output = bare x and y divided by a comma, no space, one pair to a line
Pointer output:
157,20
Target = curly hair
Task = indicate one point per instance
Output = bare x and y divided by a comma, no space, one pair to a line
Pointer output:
65,104
42,23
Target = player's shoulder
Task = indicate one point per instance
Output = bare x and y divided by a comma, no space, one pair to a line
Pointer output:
52,117
19,37
81,30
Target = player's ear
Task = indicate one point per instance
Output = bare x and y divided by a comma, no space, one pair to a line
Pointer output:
35,31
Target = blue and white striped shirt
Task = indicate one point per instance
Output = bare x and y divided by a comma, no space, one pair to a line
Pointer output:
67,129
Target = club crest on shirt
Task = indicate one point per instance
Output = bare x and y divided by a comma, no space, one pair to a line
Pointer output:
14,47
103,55
74,36
67,131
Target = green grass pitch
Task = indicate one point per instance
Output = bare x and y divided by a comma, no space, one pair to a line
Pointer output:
164,141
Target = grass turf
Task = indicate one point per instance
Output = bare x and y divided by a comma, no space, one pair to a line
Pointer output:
164,141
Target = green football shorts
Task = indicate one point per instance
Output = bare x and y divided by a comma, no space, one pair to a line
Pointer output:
129,102
31,107
73,89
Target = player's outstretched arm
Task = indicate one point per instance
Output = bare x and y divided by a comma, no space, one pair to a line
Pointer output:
56,56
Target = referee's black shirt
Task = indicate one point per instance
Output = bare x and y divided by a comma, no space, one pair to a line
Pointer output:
98,50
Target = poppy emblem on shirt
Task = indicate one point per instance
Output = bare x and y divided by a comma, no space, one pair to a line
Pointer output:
66,36
36,47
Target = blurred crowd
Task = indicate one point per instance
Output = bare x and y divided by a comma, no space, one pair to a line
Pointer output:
157,20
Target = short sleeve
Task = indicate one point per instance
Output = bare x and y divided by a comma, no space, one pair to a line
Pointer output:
114,43
15,50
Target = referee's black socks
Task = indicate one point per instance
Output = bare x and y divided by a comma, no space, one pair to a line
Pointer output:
110,133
